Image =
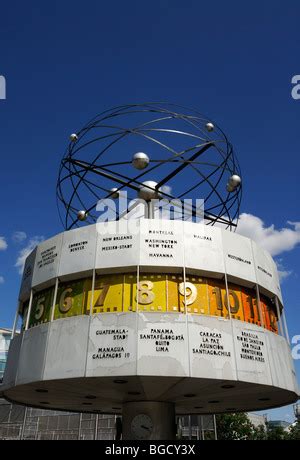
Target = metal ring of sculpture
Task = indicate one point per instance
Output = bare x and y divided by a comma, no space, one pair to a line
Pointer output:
186,153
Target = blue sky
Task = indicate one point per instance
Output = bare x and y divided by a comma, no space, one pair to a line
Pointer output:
64,62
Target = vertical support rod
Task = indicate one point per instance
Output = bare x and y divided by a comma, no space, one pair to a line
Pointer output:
261,317
93,289
29,310
23,424
207,297
279,317
199,427
137,310
150,210
37,429
146,213
94,276
231,323
227,296
96,427
15,321
202,429
54,300
215,427
285,326
186,314
9,414
79,426
137,287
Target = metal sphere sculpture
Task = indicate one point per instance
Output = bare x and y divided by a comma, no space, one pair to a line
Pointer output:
149,150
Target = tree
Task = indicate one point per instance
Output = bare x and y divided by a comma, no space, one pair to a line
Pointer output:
260,433
294,432
234,427
275,433
239,427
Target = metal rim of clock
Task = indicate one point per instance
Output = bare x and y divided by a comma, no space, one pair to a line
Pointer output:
73,168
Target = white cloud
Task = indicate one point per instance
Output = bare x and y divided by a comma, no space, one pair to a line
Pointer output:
3,243
1,279
18,237
282,272
26,251
275,241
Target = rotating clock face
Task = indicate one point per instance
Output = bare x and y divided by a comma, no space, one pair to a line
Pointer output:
141,426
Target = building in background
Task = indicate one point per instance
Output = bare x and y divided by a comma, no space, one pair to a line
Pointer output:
257,419
279,424
20,422
5,337
197,427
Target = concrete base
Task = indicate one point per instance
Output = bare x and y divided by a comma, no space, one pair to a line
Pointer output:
149,420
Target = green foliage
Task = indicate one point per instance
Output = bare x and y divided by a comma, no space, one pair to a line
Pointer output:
260,433
276,433
234,427
239,427
294,433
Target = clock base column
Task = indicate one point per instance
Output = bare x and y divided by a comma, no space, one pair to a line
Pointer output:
149,420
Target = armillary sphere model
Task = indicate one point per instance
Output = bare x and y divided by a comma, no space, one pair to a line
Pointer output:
149,150
173,315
